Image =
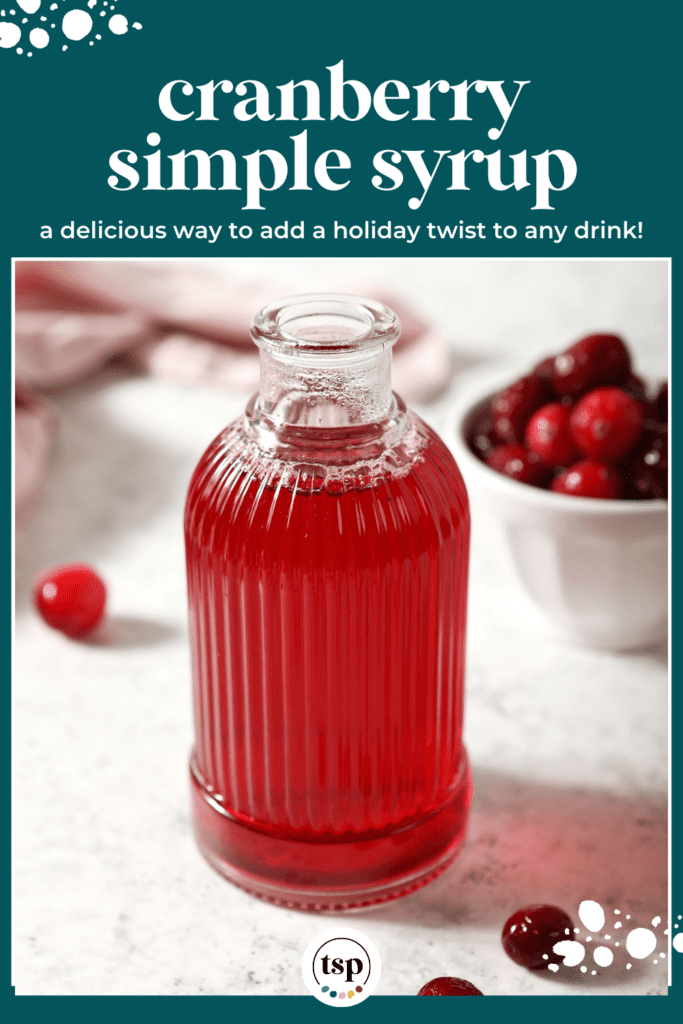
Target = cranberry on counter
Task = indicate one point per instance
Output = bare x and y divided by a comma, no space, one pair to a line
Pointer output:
530,934
449,987
70,598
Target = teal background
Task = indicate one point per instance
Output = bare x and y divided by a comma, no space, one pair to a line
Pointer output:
599,89
603,86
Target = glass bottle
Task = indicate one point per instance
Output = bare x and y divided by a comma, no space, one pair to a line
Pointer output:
327,536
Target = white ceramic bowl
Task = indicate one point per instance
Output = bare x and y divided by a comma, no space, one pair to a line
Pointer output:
597,570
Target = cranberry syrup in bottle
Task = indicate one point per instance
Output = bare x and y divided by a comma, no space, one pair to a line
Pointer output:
327,535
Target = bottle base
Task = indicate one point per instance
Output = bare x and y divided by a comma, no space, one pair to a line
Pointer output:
323,875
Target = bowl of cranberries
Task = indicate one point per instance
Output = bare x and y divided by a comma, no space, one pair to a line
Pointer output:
571,458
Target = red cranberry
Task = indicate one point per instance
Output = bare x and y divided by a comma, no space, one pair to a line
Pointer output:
634,386
548,436
648,467
512,407
70,598
530,934
593,361
545,369
519,464
589,479
606,423
449,987
662,403
482,438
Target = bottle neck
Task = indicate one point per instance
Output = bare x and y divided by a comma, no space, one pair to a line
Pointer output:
325,391
325,375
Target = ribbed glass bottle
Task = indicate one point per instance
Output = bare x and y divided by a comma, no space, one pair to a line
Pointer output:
327,535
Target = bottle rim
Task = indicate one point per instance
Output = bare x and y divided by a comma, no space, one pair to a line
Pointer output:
325,323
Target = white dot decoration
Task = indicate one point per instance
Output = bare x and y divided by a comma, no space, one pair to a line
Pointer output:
592,915
76,24
118,25
603,956
640,943
10,34
39,38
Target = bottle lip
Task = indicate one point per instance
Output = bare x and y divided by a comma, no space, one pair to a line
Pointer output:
325,323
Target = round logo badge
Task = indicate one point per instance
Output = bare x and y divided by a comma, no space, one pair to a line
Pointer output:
341,967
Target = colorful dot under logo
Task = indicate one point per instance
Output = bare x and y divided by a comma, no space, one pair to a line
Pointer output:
350,994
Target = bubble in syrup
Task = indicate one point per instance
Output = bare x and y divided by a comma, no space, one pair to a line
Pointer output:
76,24
39,38
603,956
10,34
592,915
30,6
573,952
118,24
678,942
640,943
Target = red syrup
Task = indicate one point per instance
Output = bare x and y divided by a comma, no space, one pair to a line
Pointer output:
327,619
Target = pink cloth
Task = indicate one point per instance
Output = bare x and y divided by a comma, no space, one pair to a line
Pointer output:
35,432
188,322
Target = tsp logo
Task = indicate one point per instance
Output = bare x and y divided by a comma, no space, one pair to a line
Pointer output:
341,967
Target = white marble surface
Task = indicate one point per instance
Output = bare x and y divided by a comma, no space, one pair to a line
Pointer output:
568,745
